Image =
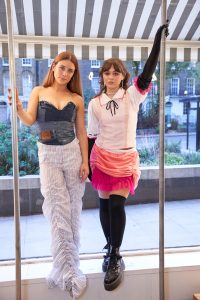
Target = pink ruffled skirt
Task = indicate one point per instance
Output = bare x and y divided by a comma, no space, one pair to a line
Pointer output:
114,171
107,183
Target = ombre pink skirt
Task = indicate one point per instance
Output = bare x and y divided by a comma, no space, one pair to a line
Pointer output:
107,183
114,171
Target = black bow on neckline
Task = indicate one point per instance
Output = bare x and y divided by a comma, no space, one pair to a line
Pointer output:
112,105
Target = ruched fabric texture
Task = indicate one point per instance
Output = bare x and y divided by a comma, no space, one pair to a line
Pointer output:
63,191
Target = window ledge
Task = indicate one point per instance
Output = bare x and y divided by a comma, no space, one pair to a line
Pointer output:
137,262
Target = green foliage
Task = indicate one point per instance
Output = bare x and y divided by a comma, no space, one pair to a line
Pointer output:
174,68
173,147
135,68
173,155
173,159
187,69
192,158
5,150
27,146
174,124
149,118
28,156
148,156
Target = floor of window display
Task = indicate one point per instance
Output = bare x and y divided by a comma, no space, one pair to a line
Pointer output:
182,227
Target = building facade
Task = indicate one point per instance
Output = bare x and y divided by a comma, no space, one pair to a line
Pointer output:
182,80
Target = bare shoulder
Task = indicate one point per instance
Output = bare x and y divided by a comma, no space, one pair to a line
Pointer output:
37,90
77,99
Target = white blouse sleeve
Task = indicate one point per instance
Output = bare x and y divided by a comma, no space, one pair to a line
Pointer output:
136,95
93,123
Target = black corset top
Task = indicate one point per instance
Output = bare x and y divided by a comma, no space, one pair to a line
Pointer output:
47,112
59,122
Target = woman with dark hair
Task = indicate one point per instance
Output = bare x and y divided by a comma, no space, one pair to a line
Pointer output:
57,109
114,160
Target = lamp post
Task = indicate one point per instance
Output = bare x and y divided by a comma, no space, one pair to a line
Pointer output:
168,107
198,127
187,120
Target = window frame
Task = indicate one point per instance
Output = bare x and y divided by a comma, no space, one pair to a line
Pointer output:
173,87
5,61
26,62
95,64
190,88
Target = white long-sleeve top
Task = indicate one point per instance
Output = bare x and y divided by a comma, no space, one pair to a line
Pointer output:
113,121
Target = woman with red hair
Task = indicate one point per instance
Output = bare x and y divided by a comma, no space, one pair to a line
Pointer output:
57,109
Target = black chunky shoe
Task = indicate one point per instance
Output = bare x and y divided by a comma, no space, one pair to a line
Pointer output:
114,273
106,257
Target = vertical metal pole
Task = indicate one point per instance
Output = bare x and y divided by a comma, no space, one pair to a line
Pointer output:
188,122
162,160
14,151
198,128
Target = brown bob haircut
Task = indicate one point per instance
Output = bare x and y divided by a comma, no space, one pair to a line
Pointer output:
119,67
74,85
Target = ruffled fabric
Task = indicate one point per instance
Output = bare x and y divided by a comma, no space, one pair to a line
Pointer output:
63,192
107,183
65,272
143,92
119,165
69,279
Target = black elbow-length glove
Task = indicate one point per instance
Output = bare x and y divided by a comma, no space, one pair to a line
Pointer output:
90,146
145,77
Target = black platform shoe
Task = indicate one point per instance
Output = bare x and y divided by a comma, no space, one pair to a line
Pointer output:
114,273
106,257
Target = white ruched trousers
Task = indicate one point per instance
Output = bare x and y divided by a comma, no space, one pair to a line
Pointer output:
63,191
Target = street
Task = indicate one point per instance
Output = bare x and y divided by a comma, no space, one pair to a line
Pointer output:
148,140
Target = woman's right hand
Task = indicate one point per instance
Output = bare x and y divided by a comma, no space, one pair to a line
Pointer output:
19,105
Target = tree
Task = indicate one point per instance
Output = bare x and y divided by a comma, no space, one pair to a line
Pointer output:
89,93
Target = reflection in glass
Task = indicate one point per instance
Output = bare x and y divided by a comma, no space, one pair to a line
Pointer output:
182,166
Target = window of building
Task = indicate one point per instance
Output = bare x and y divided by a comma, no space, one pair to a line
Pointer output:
50,60
26,62
95,64
38,245
5,61
27,83
5,83
175,86
154,89
190,86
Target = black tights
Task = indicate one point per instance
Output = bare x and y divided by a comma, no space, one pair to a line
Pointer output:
104,215
113,219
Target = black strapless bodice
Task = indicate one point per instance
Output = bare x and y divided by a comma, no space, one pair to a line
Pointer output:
47,112
59,122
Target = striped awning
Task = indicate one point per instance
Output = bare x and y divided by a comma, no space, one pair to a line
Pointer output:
99,29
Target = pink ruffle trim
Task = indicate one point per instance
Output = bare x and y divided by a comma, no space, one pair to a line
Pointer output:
107,183
143,92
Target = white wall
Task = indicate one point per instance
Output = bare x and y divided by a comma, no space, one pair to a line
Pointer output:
141,280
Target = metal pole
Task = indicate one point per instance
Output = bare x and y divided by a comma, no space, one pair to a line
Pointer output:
188,112
161,160
198,127
14,151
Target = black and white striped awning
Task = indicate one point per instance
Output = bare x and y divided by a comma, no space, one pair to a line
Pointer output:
99,29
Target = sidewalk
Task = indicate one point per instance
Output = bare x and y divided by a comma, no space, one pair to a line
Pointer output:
182,227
